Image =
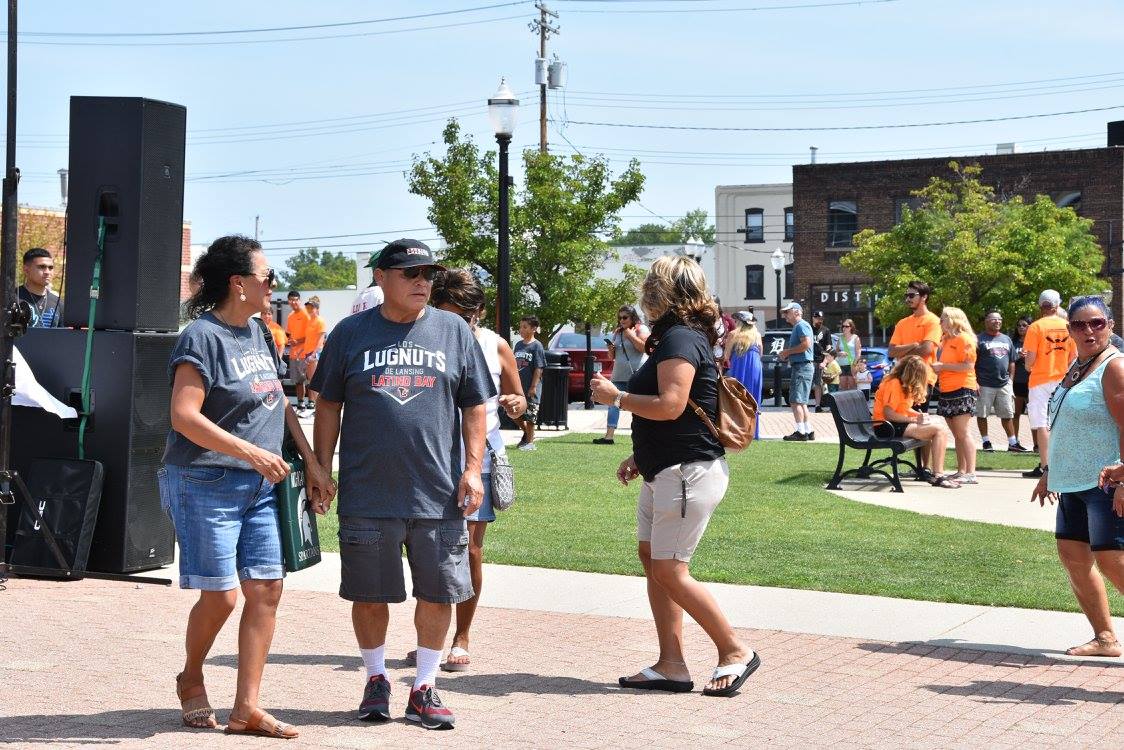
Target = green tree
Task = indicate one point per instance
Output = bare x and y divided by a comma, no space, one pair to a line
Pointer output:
557,219
977,252
312,269
692,224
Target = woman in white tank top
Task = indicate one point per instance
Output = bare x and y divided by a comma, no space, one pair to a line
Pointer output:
457,291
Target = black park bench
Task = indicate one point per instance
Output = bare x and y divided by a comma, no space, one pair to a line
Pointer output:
858,430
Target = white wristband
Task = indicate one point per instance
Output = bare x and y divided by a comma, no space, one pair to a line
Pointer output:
620,396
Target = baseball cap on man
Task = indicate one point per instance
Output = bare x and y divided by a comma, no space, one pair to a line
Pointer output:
794,307
1049,298
817,314
406,253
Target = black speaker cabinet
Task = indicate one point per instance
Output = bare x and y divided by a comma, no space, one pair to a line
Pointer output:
131,396
126,164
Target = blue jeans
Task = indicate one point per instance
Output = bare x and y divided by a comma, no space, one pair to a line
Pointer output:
1087,516
226,524
615,412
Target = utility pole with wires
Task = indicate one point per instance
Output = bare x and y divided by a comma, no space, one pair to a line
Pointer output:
257,228
544,29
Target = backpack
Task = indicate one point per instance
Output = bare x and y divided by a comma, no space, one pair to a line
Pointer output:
737,414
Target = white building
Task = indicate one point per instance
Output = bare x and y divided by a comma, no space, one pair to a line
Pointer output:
752,221
642,256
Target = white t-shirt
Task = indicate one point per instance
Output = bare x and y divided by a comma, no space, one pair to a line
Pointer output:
370,297
489,344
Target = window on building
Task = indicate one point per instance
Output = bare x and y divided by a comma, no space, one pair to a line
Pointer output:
914,203
842,223
755,282
789,225
755,225
790,281
1069,199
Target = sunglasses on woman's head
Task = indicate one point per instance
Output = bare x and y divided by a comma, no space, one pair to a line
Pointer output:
429,273
1093,324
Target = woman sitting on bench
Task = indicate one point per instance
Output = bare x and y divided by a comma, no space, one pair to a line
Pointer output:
905,386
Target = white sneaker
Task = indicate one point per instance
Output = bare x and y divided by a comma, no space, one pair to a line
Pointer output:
967,479
528,447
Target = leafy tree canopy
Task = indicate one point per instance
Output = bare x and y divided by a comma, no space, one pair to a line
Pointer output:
977,252
312,269
692,224
557,218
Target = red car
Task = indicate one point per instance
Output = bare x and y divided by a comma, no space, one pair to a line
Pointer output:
574,345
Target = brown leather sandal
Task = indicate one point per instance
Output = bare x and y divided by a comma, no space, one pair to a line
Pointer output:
197,711
261,724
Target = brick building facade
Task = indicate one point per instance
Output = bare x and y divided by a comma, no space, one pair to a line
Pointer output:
831,201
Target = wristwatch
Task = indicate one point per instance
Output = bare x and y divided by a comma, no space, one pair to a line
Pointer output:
617,400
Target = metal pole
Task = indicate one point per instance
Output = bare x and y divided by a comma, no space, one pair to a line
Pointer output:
777,367
543,28
503,261
9,302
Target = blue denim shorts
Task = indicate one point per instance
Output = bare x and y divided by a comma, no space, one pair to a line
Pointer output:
1087,516
226,524
485,512
800,386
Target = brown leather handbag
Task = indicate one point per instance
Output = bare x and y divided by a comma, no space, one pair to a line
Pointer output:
737,414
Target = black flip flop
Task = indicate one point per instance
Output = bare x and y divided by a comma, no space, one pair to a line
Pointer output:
732,688
656,681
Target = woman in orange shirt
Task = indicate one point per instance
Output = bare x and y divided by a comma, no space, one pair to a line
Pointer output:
958,391
313,343
905,386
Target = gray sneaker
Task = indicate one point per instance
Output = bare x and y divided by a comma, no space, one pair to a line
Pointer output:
375,705
528,447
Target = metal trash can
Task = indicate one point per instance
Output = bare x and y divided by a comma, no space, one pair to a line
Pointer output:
555,403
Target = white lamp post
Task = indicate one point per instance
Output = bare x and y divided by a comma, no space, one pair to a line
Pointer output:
503,108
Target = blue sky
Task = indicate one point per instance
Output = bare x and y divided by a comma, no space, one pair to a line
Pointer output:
314,135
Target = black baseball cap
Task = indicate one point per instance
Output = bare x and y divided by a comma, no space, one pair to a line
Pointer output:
817,314
405,253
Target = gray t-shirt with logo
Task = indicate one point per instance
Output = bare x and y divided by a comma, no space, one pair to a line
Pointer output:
243,394
402,386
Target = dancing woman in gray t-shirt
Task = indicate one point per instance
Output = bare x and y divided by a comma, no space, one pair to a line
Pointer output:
222,460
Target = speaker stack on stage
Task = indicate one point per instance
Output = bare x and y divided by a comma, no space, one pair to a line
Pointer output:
126,167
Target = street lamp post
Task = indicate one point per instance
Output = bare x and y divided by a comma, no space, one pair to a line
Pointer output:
777,260
502,110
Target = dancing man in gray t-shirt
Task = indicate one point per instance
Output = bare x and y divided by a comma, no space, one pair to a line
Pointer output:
414,382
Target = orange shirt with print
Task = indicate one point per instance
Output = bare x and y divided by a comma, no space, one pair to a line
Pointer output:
954,351
913,329
1053,349
295,326
279,337
890,393
313,335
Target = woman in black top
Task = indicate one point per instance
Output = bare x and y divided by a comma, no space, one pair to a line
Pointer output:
1022,377
684,470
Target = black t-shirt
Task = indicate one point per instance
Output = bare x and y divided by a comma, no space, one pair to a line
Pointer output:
657,445
46,309
821,342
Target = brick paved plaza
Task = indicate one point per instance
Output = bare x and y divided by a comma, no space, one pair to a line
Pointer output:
92,664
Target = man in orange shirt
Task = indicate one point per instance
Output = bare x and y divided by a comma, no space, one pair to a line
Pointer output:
1048,351
918,333
279,337
313,343
294,326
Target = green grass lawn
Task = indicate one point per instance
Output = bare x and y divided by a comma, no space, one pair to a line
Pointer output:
777,526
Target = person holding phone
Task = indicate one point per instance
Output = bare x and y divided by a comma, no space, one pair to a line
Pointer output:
626,347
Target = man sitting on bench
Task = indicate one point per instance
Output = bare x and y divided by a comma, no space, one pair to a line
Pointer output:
905,386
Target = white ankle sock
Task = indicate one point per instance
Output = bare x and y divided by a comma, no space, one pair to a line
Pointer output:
1012,441
428,661
374,659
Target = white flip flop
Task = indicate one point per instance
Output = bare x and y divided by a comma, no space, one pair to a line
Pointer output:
448,666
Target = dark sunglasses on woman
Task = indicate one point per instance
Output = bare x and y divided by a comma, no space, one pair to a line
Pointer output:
1093,324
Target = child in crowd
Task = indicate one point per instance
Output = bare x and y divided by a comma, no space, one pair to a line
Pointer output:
530,359
831,372
863,376
906,386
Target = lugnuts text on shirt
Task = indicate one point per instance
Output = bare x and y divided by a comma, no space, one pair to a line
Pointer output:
403,370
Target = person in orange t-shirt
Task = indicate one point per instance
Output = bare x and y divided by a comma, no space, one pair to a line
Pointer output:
294,326
1048,352
279,337
957,388
918,333
313,343
900,391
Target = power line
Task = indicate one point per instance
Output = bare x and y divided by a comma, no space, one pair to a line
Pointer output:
845,127
346,236
754,9
269,29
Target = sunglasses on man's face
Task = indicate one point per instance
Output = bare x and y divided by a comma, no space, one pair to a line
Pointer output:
429,273
1093,324
911,295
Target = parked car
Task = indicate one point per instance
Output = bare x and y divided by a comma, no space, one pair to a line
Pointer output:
879,363
574,345
771,344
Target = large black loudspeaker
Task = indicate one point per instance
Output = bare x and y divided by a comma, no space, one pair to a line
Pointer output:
130,394
126,164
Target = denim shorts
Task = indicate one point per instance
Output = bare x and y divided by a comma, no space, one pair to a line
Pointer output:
800,386
226,524
485,512
1087,516
371,559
